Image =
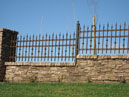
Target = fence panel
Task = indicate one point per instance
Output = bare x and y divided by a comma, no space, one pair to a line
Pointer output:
109,40
47,48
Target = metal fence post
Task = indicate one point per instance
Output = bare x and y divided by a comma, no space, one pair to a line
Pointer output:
94,40
77,40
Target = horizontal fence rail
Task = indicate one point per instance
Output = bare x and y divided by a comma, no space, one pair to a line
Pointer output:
109,40
47,48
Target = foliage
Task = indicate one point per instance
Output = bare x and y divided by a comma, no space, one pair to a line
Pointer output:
89,80
122,80
60,78
33,78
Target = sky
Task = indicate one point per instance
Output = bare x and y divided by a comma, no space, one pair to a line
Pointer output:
48,16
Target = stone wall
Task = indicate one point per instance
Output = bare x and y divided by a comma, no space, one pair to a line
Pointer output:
5,38
105,68
100,69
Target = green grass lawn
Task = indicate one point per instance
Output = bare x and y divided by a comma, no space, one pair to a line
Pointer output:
63,90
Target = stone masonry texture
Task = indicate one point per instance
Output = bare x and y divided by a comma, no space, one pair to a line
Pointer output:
98,69
5,38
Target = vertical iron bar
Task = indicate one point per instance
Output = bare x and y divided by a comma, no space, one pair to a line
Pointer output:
29,48
42,47
83,39
16,43
45,48
23,47
124,38
99,38
73,56
55,48
20,47
115,38
48,47
66,46
12,48
103,39
52,46
39,46
87,39
119,38
107,38
111,40
32,48
69,46
91,38
35,49
26,47
62,47
128,40
59,46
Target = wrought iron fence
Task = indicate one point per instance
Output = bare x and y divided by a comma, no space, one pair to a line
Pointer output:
109,40
43,48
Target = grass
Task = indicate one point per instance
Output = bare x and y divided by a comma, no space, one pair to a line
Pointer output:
63,90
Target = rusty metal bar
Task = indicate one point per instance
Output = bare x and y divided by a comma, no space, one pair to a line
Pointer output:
124,37
105,30
103,39
16,49
59,47
29,48
26,48
39,46
35,48
128,40
52,46
73,47
115,38
39,57
48,48
62,47
98,39
32,48
119,39
42,48
20,48
107,38
91,39
23,48
66,45
111,40
45,51
44,45
69,46
87,39
55,47
83,38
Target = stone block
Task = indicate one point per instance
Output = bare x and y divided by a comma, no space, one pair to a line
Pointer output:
1,29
